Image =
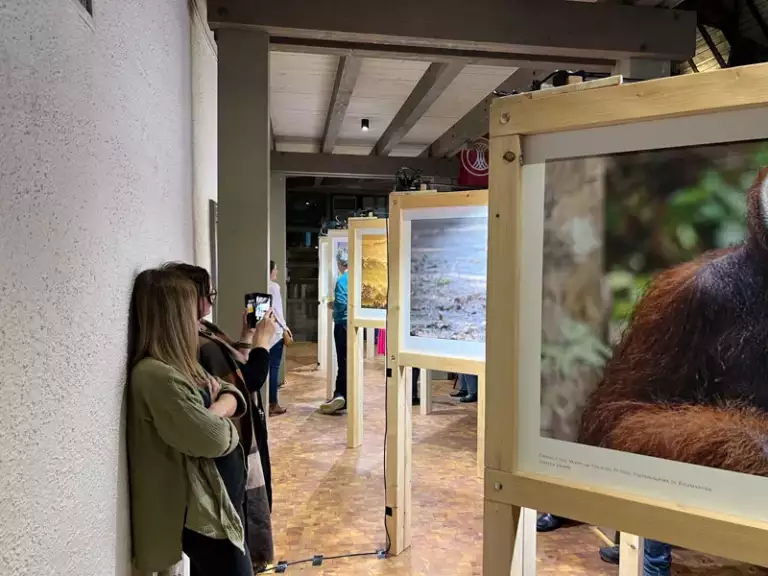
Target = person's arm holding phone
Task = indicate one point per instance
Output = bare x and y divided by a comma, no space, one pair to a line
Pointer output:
245,343
257,367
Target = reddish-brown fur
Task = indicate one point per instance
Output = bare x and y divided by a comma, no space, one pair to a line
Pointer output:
673,388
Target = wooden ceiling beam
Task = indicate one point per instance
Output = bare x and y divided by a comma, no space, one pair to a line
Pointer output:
545,27
475,122
343,87
359,166
432,84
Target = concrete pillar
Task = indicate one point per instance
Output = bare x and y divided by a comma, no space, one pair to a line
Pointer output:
244,175
643,68
277,249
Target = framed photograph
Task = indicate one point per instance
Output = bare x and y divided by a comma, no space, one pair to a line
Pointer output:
445,257
368,272
618,389
441,243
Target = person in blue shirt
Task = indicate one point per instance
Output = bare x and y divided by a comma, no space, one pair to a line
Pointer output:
339,307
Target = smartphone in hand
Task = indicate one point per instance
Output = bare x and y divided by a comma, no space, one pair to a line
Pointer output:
257,304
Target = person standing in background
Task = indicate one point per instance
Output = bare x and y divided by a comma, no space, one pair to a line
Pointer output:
339,307
469,385
278,341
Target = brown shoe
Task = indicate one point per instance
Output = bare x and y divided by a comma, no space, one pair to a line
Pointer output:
275,409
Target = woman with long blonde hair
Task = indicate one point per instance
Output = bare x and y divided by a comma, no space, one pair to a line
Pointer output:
179,422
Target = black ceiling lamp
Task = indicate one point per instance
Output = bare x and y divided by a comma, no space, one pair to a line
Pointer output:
365,125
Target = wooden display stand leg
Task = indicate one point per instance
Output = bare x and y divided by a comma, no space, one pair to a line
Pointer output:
481,425
509,543
370,346
398,459
330,353
425,392
322,336
631,555
524,554
355,377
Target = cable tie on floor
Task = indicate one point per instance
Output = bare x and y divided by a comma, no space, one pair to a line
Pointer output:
317,560
281,567
381,554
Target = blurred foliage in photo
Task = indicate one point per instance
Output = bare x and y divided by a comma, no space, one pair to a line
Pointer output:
666,207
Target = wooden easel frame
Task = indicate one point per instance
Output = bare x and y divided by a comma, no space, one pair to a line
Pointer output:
323,262
327,247
400,362
356,324
507,488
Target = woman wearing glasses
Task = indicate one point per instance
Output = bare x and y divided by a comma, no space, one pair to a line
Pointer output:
244,363
181,424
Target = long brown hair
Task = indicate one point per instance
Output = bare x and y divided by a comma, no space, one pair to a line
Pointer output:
198,276
163,321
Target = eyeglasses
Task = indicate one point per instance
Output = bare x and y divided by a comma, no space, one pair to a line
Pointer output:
212,296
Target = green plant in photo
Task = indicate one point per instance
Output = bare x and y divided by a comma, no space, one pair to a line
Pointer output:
578,346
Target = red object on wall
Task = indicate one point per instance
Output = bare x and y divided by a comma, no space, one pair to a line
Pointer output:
474,164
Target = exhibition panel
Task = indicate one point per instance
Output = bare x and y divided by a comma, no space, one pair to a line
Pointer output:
642,409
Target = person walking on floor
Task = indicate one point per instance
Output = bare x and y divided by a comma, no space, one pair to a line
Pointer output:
415,398
277,345
462,391
467,393
339,307
657,560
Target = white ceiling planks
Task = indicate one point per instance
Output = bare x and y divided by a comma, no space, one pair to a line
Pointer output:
471,86
300,88
382,88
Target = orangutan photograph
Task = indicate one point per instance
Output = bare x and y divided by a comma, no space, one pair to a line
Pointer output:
655,304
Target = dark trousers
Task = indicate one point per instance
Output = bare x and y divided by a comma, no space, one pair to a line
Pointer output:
340,339
275,359
211,557
658,558
415,381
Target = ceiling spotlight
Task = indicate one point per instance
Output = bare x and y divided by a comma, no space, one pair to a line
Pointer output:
365,125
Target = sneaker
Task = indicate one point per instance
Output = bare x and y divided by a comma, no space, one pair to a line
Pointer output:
333,405
610,554
459,394
276,410
548,523
416,401
468,399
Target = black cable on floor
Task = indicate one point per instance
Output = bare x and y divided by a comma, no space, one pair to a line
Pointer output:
281,567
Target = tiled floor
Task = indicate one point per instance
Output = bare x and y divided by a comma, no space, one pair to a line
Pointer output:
330,500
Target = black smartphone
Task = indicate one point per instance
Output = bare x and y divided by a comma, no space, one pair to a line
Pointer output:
257,305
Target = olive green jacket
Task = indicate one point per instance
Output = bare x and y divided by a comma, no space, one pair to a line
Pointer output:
172,440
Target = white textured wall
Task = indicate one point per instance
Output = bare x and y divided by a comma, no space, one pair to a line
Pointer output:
95,183
204,129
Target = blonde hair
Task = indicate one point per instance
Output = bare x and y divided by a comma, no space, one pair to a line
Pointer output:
164,321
